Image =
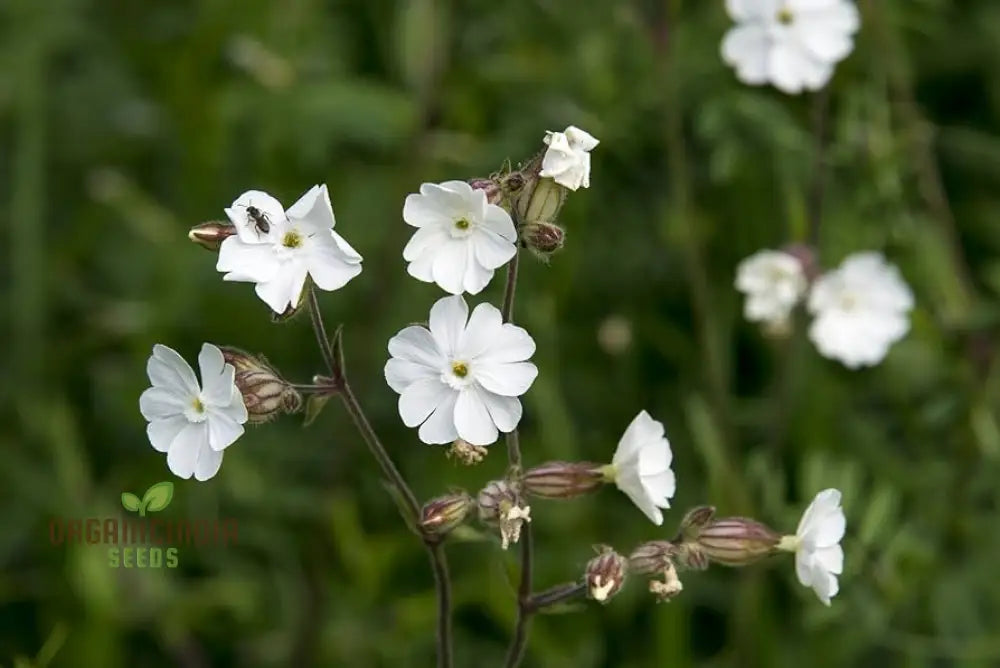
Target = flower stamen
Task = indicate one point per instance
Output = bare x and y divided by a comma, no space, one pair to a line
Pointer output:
460,369
292,239
462,224
785,16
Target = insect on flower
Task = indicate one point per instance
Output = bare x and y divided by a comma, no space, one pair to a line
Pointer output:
259,219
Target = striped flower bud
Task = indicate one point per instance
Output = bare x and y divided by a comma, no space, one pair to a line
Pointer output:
541,198
736,541
265,393
652,557
442,514
562,480
210,235
543,239
605,574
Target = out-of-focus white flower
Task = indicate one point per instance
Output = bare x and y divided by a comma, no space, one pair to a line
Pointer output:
192,425
567,160
773,282
819,559
792,44
641,466
278,250
462,377
861,309
461,238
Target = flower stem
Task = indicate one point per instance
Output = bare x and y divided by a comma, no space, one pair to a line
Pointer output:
515,652
558,594
820,112
406,501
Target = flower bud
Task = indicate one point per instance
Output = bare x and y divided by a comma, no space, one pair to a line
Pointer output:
562,480
542,239
442,514
605,574
695,520
494,194
736,541
652,557
466,452
210,235
541,198
265,393
499,503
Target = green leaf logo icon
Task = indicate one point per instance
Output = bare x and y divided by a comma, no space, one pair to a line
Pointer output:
155,499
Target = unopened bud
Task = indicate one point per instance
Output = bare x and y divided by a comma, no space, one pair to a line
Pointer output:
605,574
210,235
494,194
265,393
500,504
442,514
652,557
541,198
466,452
695,520
736,541
543,239
562,480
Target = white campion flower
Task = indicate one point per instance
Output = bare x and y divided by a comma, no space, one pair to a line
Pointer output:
462,376
461,238
861,309
567,159
773,282
192,423
792,44
641,466
288,247
819,559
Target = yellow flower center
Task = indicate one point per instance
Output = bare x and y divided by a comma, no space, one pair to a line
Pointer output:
292,239
197,405
785,16
462,224
460,369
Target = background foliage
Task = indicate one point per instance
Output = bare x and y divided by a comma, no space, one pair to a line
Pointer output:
124,123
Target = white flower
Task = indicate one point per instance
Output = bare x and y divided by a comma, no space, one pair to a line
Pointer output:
461,238
192,425
819,559
773,282
792,44
567,160
861,309
641,466
461,379
287,248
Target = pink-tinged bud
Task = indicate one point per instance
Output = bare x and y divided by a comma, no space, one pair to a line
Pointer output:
210,235
562,480
466,452
442,514
543,239
736,541
494,193
695,520
652,557
605,574
265,393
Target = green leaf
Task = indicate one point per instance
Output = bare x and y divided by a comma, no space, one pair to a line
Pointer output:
314,404
130,501
158,496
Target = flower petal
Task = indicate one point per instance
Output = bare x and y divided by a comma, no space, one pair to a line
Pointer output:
498,221
246,228
400,373
419,400
222,430
449,265
416,344
510,380
746,47
491,249
440,426
423,240
162,432
472,419
182,457
157,403
208,463
505,411
329,268
285,289
513,344
447,323
245,262
484,327
167,369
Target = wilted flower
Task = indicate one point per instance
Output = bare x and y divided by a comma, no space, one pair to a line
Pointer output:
462,377
861,309
442,514
668,587
210,235
793,44
567,159
461,238
500,504
773,282
819,559
466,452
562,480
641,466
279,250
605,574
265,393
191,424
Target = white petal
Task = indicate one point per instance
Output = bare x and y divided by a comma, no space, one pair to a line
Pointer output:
222,430
400,374
513,344
246,262
746,47
419,400
580,140
472,419
305,204
329,268
185,449
162,432
661,487
208,464
510,380
425,239
286,288
831,558
476,277
157,403
504,411
416,344
640,431
792,70
447,323
804,568
422,268
216,376
424,211
167,369
449,265
492,250
246,229
440,426
745,10
630,484
483,329
822,505
495,219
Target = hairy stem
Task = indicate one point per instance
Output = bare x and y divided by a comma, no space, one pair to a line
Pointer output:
406,501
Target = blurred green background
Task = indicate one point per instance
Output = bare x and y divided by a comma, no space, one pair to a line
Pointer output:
123,123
